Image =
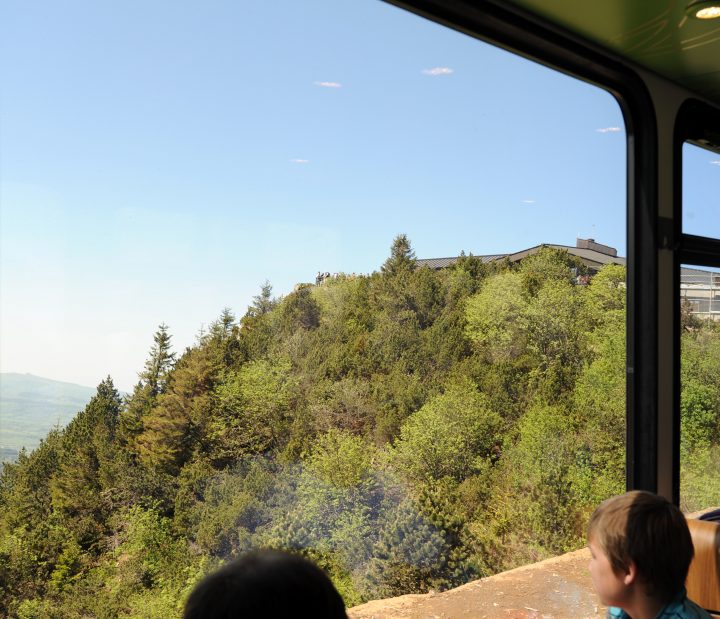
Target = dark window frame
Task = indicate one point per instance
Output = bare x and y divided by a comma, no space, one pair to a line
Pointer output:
698,124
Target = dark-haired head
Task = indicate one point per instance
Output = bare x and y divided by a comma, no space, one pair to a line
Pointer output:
268,584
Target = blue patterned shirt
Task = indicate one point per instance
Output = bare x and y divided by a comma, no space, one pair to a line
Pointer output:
679,608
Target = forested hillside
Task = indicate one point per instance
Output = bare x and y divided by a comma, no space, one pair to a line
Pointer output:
408,430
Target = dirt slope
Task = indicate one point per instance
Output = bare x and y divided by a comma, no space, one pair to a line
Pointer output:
558,588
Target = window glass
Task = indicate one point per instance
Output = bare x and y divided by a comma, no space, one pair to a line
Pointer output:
701,191
322,276
700,397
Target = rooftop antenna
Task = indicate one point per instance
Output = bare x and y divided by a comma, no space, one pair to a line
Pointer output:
593,232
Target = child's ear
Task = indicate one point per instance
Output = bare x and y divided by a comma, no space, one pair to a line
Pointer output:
630,574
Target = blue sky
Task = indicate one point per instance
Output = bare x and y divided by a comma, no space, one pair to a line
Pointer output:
701,191
160,160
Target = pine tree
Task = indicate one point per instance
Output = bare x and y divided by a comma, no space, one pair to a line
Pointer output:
223,327
299,311
161,361
263,302
153,382
86,465
409,556
223,340
402,256
171,429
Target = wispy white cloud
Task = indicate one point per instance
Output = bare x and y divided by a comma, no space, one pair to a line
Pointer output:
609,130
299,161
528,201
328,84
435,71
715,162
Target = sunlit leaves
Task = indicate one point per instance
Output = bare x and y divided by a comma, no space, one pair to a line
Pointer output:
493,317
449,436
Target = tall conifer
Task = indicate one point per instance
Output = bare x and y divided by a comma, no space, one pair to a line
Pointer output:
402,256
153,382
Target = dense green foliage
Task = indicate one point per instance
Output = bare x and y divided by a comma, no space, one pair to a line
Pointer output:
407,430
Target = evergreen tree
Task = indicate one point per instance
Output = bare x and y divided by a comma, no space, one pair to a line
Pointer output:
223,340
161,361
256,332
263,302
86,466
175,426
410,556
402,256
299,311
152,383
223,327
472,265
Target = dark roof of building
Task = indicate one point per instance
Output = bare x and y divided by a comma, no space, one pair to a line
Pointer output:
443,263
699,277
590,257
587,255
694,271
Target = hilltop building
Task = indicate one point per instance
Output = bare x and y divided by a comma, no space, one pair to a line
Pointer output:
592,254
698,287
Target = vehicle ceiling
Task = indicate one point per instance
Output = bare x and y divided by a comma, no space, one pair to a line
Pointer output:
655,34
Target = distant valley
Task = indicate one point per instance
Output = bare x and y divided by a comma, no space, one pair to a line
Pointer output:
30,406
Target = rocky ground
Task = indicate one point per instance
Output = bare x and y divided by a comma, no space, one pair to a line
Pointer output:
557,588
